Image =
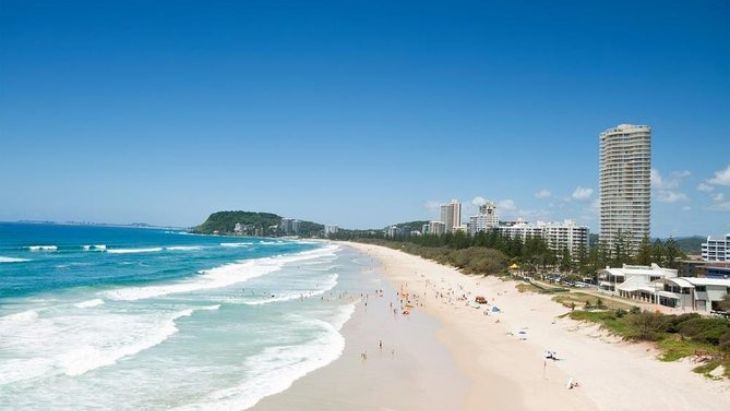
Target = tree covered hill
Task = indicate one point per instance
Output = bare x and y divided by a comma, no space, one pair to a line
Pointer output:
224,222
691,245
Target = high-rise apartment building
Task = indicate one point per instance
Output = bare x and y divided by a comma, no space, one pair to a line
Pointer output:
716,249
485,220
625,185
436,228
559,236
289,226
451,215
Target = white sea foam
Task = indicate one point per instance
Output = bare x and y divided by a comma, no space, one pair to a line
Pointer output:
274,369
13,259
43,248
220,277
236,245
328,284
74,345
96,247
89,303
86,358
134,250
21,317
184,248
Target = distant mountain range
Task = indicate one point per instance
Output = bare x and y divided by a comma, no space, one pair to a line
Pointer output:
690,245
94,224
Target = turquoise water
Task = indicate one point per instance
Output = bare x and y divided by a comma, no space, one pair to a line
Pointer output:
124,318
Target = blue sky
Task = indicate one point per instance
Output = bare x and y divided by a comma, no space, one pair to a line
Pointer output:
357,113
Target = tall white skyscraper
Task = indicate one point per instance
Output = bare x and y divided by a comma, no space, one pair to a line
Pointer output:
451,215
625,185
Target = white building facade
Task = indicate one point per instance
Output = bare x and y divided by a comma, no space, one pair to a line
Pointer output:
436,228
289,226
567,234
451,215
558,235
693,293
625,185
485,220
633,281
716,249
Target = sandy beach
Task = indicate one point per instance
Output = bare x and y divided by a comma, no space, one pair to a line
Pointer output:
413,370
453,356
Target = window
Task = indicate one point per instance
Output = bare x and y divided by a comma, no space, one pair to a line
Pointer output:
701,288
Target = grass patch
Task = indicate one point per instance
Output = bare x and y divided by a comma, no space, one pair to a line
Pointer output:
605,319
707,368
674,348
527,288
580,300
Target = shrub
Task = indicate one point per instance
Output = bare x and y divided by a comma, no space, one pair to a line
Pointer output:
675,322
646,326
708,330
724,341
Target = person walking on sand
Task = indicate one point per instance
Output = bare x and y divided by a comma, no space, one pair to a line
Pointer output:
380,344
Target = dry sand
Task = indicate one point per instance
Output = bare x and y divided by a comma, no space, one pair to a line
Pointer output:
450,356
413,371
509,373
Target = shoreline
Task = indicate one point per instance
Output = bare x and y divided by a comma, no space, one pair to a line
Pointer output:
397,376
487,364
613,375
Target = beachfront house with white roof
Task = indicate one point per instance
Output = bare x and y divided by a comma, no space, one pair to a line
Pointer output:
634,281
692,293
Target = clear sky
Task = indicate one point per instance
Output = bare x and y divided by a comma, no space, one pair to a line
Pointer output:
357,113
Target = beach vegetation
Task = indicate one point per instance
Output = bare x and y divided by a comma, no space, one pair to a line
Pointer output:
704,339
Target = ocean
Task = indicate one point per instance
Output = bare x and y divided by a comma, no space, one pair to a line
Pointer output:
131,318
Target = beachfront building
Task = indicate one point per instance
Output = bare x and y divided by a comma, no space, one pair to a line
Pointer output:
395,231
567,234
238,228
625,185
520,229
485,220
436,228
716,249
451,215
634,281
558,235
330,230
692,293
289,226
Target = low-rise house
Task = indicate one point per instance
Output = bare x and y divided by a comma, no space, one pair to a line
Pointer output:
692,293
634,281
